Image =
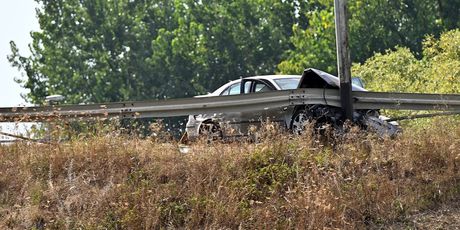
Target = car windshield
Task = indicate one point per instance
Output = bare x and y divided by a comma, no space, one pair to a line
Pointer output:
287,83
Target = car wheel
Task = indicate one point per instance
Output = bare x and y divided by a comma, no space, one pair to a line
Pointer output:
299,121
211,131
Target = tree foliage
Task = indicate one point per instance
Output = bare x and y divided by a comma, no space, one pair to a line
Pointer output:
111,50
314,43
400,70
98,50
438,71
375,26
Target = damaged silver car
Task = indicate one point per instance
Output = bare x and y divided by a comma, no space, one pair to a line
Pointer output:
295,118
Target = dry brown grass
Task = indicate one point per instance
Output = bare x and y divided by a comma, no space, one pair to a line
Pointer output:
110,182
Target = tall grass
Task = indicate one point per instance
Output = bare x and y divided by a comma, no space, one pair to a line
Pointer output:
282,181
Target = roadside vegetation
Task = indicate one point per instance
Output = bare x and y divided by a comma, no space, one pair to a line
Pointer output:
399,70
119,181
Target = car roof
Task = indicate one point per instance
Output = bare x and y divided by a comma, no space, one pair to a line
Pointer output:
264,77
330,79
272,77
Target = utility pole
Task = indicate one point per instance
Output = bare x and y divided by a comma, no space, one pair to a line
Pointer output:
343,56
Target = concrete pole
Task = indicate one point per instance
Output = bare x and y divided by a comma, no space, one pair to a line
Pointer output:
343,56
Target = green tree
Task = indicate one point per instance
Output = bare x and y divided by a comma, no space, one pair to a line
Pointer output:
438,71
236,38
400,70
99,50
314,46
88,50
374,25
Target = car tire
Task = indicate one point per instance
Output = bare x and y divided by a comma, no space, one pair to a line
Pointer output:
211,131
300,120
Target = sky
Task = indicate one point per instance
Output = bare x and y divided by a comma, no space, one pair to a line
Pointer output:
17,20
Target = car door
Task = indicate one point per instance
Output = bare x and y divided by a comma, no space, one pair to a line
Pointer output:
238,123
272,114
231,122
255,117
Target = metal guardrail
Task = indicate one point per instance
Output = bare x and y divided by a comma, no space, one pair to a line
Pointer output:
235,103
407,101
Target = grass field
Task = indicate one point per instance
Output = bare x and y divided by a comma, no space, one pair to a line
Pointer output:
114,181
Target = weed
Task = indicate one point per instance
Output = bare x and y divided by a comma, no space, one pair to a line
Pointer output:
280,180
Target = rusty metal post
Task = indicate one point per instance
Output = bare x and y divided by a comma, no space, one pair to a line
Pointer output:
343,56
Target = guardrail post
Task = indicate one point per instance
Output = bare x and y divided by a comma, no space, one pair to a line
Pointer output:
343,57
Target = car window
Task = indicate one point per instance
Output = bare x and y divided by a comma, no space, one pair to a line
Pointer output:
235,89
225,92
288,83
357,81
232,90
247,86
261,87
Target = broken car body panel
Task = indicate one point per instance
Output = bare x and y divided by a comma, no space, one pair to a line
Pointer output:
313,78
